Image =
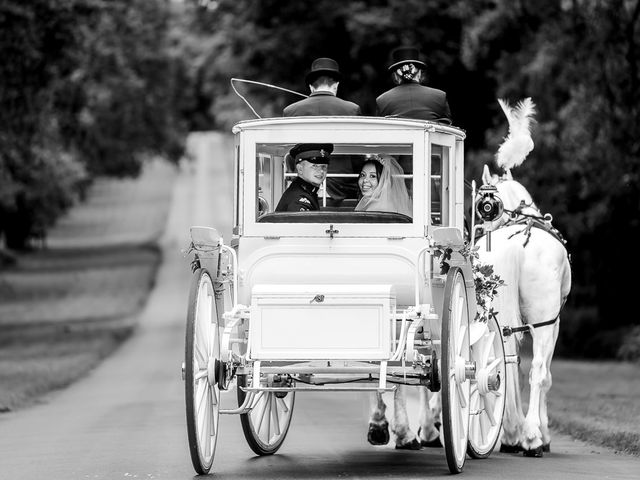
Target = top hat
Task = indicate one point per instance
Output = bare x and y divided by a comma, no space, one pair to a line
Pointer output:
312,152
402,55
323,66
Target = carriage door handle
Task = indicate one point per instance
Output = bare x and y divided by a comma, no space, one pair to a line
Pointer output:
331,231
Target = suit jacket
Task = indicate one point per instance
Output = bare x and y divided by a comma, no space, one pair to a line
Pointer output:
321,103
412,100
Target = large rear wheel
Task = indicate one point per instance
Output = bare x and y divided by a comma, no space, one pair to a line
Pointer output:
455,357
202,368
266,425
487,391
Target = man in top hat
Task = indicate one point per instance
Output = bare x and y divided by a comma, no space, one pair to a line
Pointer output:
311,163
323,80
410,99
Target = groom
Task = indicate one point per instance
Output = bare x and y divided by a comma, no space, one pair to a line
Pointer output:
311,163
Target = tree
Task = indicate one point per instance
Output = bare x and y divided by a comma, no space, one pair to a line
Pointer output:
579,61
87,88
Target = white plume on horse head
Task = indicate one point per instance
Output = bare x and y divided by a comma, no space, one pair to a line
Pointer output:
518,143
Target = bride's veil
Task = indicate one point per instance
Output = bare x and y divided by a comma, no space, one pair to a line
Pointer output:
391,193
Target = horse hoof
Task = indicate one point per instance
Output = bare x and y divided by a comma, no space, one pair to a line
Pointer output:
504,448
378,433
435,443
546,447
533,453
412,445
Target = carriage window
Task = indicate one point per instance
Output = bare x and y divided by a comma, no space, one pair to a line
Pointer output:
339,196
439,185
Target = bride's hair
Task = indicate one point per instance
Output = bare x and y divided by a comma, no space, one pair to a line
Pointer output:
376,163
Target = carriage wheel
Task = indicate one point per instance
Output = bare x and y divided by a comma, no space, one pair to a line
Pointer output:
455,355
201,372
266,425
487,392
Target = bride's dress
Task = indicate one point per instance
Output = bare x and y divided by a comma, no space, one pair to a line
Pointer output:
391,193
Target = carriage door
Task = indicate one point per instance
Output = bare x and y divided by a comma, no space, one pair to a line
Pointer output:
441,171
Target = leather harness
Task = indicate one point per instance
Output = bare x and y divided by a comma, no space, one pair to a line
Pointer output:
542,222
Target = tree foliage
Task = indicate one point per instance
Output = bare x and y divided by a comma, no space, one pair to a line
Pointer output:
579,60
87,87
93,86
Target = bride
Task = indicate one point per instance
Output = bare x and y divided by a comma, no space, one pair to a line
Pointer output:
382,187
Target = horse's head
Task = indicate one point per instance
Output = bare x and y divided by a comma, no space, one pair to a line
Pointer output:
514,197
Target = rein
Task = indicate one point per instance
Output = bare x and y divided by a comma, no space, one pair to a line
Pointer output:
528,328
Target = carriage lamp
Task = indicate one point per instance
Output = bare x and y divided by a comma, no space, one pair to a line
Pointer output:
489,208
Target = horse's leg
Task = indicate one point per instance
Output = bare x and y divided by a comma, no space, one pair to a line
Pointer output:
378,433
539,382
430,410
544,418
405,438
513,414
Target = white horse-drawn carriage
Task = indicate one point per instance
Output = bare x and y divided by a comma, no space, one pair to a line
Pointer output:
340,300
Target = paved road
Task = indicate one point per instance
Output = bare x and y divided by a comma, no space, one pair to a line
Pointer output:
126,420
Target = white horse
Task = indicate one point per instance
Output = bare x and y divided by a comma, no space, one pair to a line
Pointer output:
534,264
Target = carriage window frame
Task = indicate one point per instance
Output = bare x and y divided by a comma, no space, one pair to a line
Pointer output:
275,172
250,138
439,181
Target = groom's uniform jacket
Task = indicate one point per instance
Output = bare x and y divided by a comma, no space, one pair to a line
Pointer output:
301,196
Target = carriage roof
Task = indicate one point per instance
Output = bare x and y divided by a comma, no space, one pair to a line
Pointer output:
360,122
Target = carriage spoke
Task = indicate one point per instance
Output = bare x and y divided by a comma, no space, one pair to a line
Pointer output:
200,395
460,340
492,366
260,415
203,419
283,404
461,396
460,423
269,403
213,401
200,350
209,338
488,344
216,395
276,417
489,407
456,314
259,396
202,372
480,417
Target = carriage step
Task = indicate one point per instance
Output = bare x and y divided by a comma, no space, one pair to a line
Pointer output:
323,388
512,359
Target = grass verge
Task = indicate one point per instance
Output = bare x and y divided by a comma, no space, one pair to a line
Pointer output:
597,402
66,307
